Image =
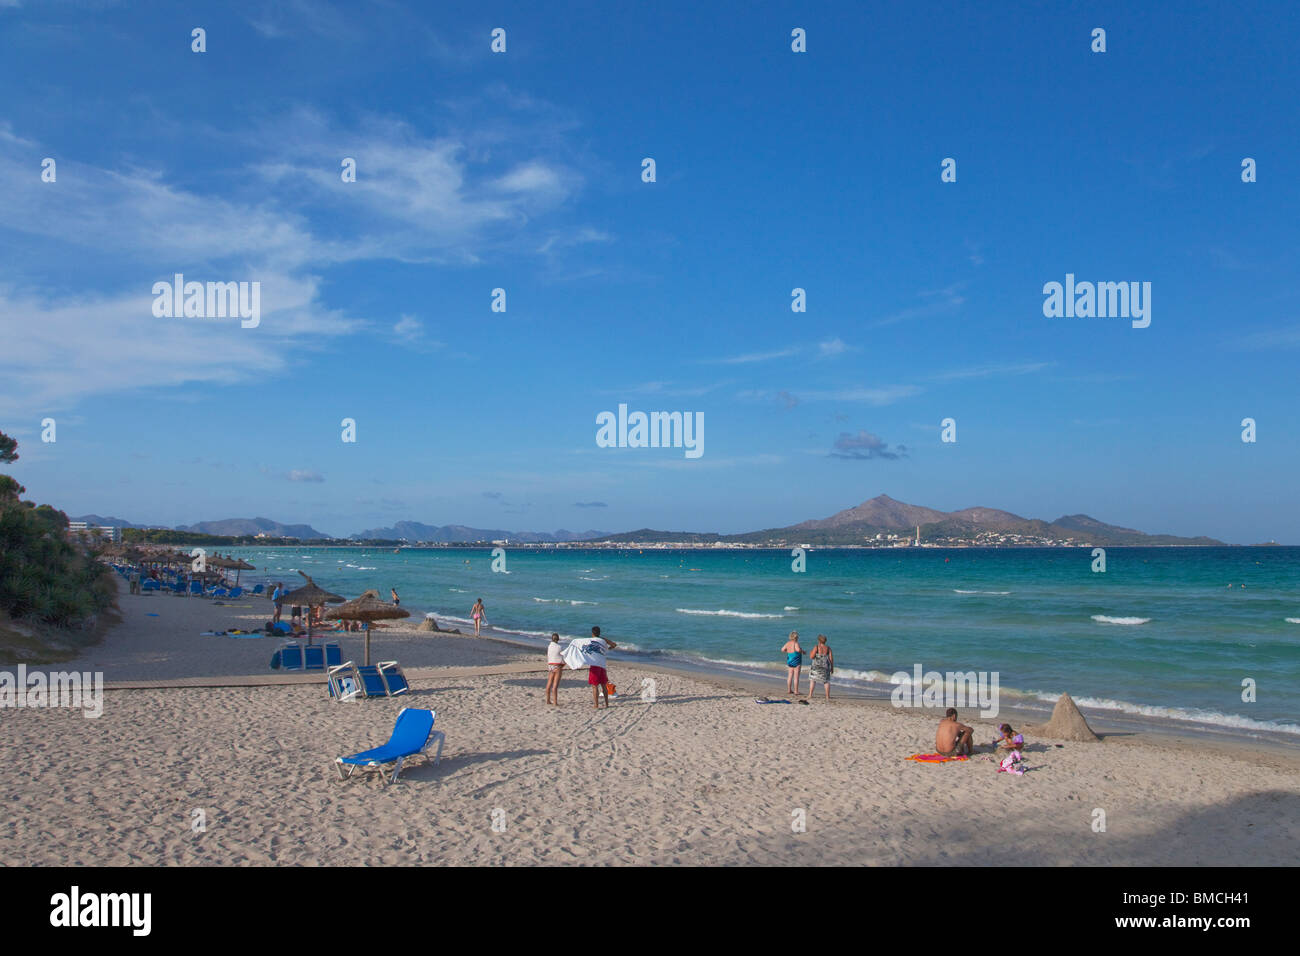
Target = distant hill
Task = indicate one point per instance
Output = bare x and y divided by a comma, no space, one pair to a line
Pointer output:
885,515
233,527
880,513
103,522
443,534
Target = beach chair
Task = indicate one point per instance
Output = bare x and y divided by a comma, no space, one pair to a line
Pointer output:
178,587
372,681
291,657
149,584
236,593
344,684
394,679
196,587
412,734
258,589
313,657
333,655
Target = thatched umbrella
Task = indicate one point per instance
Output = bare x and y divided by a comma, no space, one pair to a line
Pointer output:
241,565
310,595
367,608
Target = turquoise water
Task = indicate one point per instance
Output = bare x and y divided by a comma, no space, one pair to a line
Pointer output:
1160,633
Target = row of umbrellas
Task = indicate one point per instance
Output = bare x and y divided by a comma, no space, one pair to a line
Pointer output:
368,607
214,562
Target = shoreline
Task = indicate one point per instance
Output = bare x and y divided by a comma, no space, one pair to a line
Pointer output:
698,775
1172,732
510,646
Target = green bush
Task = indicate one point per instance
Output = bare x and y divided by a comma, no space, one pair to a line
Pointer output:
44,576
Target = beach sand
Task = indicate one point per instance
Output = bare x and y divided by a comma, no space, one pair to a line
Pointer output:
701,775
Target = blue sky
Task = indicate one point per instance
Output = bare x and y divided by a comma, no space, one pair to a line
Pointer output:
775,170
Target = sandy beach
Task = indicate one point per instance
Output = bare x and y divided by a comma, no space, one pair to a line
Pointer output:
701,775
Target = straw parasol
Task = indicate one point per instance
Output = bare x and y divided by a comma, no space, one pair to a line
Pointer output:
367,608
231,564
310,595
241,565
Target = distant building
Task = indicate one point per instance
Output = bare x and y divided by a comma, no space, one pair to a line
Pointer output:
105,531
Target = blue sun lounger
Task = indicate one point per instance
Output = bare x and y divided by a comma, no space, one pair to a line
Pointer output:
313,657
411,736
347,681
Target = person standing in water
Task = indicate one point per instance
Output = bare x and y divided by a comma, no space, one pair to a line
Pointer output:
478,612
793,662
396,599
823,664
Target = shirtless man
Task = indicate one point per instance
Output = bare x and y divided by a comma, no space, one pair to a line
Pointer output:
953,738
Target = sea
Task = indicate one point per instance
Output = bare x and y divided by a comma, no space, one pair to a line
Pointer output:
1204,636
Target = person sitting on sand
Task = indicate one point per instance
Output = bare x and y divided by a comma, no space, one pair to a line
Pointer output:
953,738
554,669
1008,741
823,664
793,663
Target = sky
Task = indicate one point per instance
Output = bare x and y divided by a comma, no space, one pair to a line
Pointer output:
775,170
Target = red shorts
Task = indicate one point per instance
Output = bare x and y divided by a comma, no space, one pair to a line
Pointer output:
597,676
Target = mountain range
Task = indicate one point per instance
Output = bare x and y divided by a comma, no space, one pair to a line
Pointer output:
415,531
881,515
885,515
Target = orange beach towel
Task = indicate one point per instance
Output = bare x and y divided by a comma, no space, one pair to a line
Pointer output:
935,758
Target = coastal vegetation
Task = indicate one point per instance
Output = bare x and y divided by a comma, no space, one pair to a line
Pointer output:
49,583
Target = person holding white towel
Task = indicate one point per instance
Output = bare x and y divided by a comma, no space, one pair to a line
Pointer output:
590,653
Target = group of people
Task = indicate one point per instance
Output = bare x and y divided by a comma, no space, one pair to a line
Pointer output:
581,652
820,667
955,739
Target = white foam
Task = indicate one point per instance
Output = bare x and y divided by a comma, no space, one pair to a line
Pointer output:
1106,619
791,607
725,613
960,591
1293,620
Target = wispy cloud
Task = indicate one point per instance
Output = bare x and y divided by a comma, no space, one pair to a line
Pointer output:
933,302
667,389
748,358
590,504
826,349
306,475
990,371
1281,338
417,198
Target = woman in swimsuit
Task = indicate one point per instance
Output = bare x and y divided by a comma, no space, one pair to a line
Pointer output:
554,669
477,613
823,664
793,662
